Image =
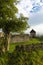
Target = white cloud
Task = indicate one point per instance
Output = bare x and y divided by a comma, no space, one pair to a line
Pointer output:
38,28
35,17
25,6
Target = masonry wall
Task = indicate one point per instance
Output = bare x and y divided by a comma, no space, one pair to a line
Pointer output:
30,47
19,38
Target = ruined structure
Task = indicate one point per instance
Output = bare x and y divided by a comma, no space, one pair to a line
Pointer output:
32,33
19,38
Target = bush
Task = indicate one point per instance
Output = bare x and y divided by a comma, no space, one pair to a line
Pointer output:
26,58
20,57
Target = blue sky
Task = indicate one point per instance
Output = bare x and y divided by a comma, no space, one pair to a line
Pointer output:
34,10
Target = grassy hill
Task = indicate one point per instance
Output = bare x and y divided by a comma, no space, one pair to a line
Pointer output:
31,41
23,57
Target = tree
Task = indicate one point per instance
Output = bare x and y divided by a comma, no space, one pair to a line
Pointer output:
9,21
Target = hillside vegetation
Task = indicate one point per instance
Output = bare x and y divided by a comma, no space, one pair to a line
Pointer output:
24,53
31,41
22,56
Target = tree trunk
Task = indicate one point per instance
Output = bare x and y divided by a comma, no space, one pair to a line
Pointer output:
8,41
7,38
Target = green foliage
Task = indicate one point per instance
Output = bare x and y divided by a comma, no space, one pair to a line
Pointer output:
31,41
22,57
40,38
1,45
9,21
4,59
26,58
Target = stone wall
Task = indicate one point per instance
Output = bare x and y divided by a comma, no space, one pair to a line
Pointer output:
19,38
29,47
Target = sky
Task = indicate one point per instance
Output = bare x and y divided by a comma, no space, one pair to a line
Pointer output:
34,10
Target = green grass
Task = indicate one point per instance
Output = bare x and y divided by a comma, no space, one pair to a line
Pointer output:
30,58
31,41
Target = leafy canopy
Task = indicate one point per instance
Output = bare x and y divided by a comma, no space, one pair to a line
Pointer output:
8,19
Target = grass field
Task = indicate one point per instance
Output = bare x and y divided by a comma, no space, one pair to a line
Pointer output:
31,41
24,57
